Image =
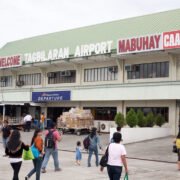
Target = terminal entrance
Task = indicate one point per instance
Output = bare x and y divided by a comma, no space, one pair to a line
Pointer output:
54,112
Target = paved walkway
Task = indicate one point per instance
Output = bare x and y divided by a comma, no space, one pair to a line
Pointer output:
158,150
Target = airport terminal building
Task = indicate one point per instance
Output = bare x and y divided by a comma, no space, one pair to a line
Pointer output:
108,68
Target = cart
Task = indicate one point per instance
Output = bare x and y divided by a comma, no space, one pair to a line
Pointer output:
76,121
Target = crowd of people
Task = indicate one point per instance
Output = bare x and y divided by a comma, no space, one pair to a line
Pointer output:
14,147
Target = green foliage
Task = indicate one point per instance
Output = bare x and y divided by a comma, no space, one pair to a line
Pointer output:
131,118
119,119
159,120
141,119
150,119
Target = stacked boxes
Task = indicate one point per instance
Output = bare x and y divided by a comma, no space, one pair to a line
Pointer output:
76,118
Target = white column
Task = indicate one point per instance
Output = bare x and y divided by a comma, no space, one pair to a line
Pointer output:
43,77
120,64
173,67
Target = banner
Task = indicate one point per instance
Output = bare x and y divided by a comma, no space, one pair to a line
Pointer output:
52,96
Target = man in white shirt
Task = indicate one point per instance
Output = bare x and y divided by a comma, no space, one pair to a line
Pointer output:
27,122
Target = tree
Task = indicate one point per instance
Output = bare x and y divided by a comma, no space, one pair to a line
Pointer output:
131,118
150,119
141,119
119,119
159,120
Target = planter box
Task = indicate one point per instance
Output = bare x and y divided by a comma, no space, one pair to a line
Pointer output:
131,135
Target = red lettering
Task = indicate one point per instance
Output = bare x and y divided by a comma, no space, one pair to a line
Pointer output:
145,43
133,44
122,46
128,48
157,39
151,43
11,61
139,44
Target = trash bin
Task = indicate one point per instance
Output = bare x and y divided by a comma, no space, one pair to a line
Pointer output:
36,123
49,122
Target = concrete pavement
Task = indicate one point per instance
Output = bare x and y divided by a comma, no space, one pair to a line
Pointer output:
155,150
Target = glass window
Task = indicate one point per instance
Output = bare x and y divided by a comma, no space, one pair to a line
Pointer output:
145,71
64,77
150,73
158,70
101,74
149,70
96,74
5,81
166,69
141,71
30,79
162,69
154,70
103,113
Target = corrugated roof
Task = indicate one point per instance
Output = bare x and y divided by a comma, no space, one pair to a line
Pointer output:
142,25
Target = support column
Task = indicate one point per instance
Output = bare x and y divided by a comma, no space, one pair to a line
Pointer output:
173,67
43,77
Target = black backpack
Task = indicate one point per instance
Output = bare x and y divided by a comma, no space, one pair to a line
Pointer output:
86,143
49,140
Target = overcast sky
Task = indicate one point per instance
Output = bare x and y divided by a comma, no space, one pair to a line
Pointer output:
26,18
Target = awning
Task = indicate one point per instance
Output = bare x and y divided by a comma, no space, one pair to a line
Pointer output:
13,104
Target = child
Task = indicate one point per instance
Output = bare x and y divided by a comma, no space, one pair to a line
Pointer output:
78,153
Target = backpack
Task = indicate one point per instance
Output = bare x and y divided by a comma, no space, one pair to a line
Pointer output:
86,143
49,140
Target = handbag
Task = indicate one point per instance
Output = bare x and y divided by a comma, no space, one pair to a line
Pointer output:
174,149
27,155
35,151
126,176
104,158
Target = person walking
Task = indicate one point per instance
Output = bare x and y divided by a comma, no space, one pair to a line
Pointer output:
14,150
178,149
78,153
51,147
27,121
116,158
118,129
6,131
93,147
37,142
42,119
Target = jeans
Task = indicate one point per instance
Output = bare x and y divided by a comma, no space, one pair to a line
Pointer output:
114,172
37,168
27,126
5,140
16,168
42,125
91,150
54,153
